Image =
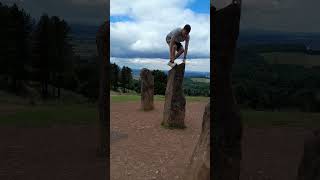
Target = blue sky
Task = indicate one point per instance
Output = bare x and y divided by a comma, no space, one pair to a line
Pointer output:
197,6
200,6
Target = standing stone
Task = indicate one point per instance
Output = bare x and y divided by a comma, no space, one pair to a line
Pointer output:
226,120
199,168
147,89
103,47
175,102
103,50
309,168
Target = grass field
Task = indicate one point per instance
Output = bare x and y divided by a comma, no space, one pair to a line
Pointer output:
15,111
48,115
287,119
292,58
204,80
52,114
127,98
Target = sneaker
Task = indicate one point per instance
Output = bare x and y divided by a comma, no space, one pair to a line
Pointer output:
171,64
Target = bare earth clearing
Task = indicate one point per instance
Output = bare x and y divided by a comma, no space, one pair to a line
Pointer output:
146,150
64,153
140,148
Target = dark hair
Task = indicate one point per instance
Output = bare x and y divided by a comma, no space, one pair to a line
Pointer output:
187,27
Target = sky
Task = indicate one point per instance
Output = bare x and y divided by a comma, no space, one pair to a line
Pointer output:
139,27
282,15
90,12
278,15
138,30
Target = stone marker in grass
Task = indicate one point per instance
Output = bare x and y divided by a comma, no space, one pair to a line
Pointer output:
199,167
175,102
309,168
147,89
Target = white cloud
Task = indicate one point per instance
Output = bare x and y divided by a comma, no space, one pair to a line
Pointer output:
202,65
151,21
281,15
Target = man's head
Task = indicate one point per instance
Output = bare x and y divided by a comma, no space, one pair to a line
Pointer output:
186,30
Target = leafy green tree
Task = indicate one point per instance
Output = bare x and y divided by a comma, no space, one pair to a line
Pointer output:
41,53
15,29
126,78
114,76
52,53
160,82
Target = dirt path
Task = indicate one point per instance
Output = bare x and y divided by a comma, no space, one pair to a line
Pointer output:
272,153
64,153
146,150
140,149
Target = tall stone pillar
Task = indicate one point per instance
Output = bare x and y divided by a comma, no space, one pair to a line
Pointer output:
175,102
147,89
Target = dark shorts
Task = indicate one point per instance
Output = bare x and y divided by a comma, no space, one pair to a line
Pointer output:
178,44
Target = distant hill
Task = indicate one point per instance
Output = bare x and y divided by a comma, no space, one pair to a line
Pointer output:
302,59
252,37
194,74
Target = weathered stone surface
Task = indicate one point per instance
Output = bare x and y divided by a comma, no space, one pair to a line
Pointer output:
226,119
175,102
199,167
103,47
103,50
309,168
147,89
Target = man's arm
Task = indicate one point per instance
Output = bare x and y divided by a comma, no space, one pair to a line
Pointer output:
186,48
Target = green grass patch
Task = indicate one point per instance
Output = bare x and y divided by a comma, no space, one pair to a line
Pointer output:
203,80
283,119
133,98
302,59
172,126
51,115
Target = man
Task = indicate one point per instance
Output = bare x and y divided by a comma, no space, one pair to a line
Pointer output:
174,39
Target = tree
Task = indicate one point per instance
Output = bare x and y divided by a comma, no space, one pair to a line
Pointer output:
41,53
160,79
114,76
15,29
61,52
126,78
52,52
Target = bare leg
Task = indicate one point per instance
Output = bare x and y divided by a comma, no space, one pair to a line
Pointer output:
179,53
173,51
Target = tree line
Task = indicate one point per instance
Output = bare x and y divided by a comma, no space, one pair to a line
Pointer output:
122,79
37,57
261,85
33,51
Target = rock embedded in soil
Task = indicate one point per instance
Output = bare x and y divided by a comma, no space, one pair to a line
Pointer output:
147,89
226,118
199,167
309,168
175,102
